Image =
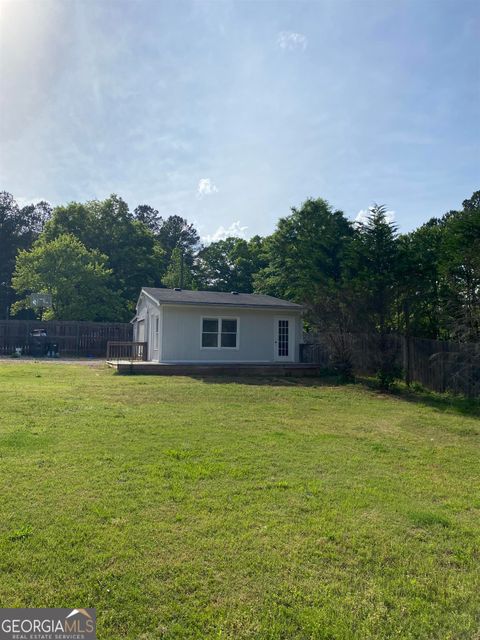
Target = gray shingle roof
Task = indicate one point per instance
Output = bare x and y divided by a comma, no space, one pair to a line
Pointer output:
170,296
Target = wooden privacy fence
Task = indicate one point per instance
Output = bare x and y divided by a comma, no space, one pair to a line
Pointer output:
436,364
88,339
443,365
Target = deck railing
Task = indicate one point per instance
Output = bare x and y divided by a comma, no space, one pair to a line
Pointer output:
126,350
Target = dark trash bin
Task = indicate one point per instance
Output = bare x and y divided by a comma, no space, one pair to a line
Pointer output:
52,350
38,343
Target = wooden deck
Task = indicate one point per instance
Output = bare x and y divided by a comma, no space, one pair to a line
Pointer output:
214,369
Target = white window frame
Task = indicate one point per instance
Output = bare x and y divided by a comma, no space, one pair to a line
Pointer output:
156,331
219,333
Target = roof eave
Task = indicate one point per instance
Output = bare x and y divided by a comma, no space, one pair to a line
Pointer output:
263,307
149,295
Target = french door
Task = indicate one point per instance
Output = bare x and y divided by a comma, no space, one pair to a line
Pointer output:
283,343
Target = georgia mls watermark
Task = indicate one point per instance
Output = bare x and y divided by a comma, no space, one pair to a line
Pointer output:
47,624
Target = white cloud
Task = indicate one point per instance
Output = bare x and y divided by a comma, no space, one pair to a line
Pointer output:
290,40
234,230
206,187
362,215
23,202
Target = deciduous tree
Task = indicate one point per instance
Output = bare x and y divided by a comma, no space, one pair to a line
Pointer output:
77,278
230,264
133,255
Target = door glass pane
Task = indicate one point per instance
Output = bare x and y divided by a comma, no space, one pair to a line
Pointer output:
283,338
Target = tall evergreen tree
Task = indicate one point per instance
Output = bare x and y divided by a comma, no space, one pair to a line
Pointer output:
306,253
149,216
176,232
418,281
374,268
460,270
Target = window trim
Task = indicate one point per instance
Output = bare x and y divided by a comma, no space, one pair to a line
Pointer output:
219,333
156,333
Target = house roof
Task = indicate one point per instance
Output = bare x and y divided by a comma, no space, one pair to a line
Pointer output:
220,298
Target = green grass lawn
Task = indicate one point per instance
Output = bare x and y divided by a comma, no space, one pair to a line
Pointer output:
185,508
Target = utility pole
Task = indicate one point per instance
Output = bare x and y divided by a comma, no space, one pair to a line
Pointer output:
181,269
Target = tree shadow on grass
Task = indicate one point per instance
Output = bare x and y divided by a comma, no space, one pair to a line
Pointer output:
271,380
439,401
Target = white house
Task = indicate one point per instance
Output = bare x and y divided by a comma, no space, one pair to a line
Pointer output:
209,326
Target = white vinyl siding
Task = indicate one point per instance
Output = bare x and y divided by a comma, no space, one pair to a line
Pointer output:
182,332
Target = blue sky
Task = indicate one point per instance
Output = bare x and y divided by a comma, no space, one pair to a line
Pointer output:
228,113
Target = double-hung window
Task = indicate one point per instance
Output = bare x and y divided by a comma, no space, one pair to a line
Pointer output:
219,333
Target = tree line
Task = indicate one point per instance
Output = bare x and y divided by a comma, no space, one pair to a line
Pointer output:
94,257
